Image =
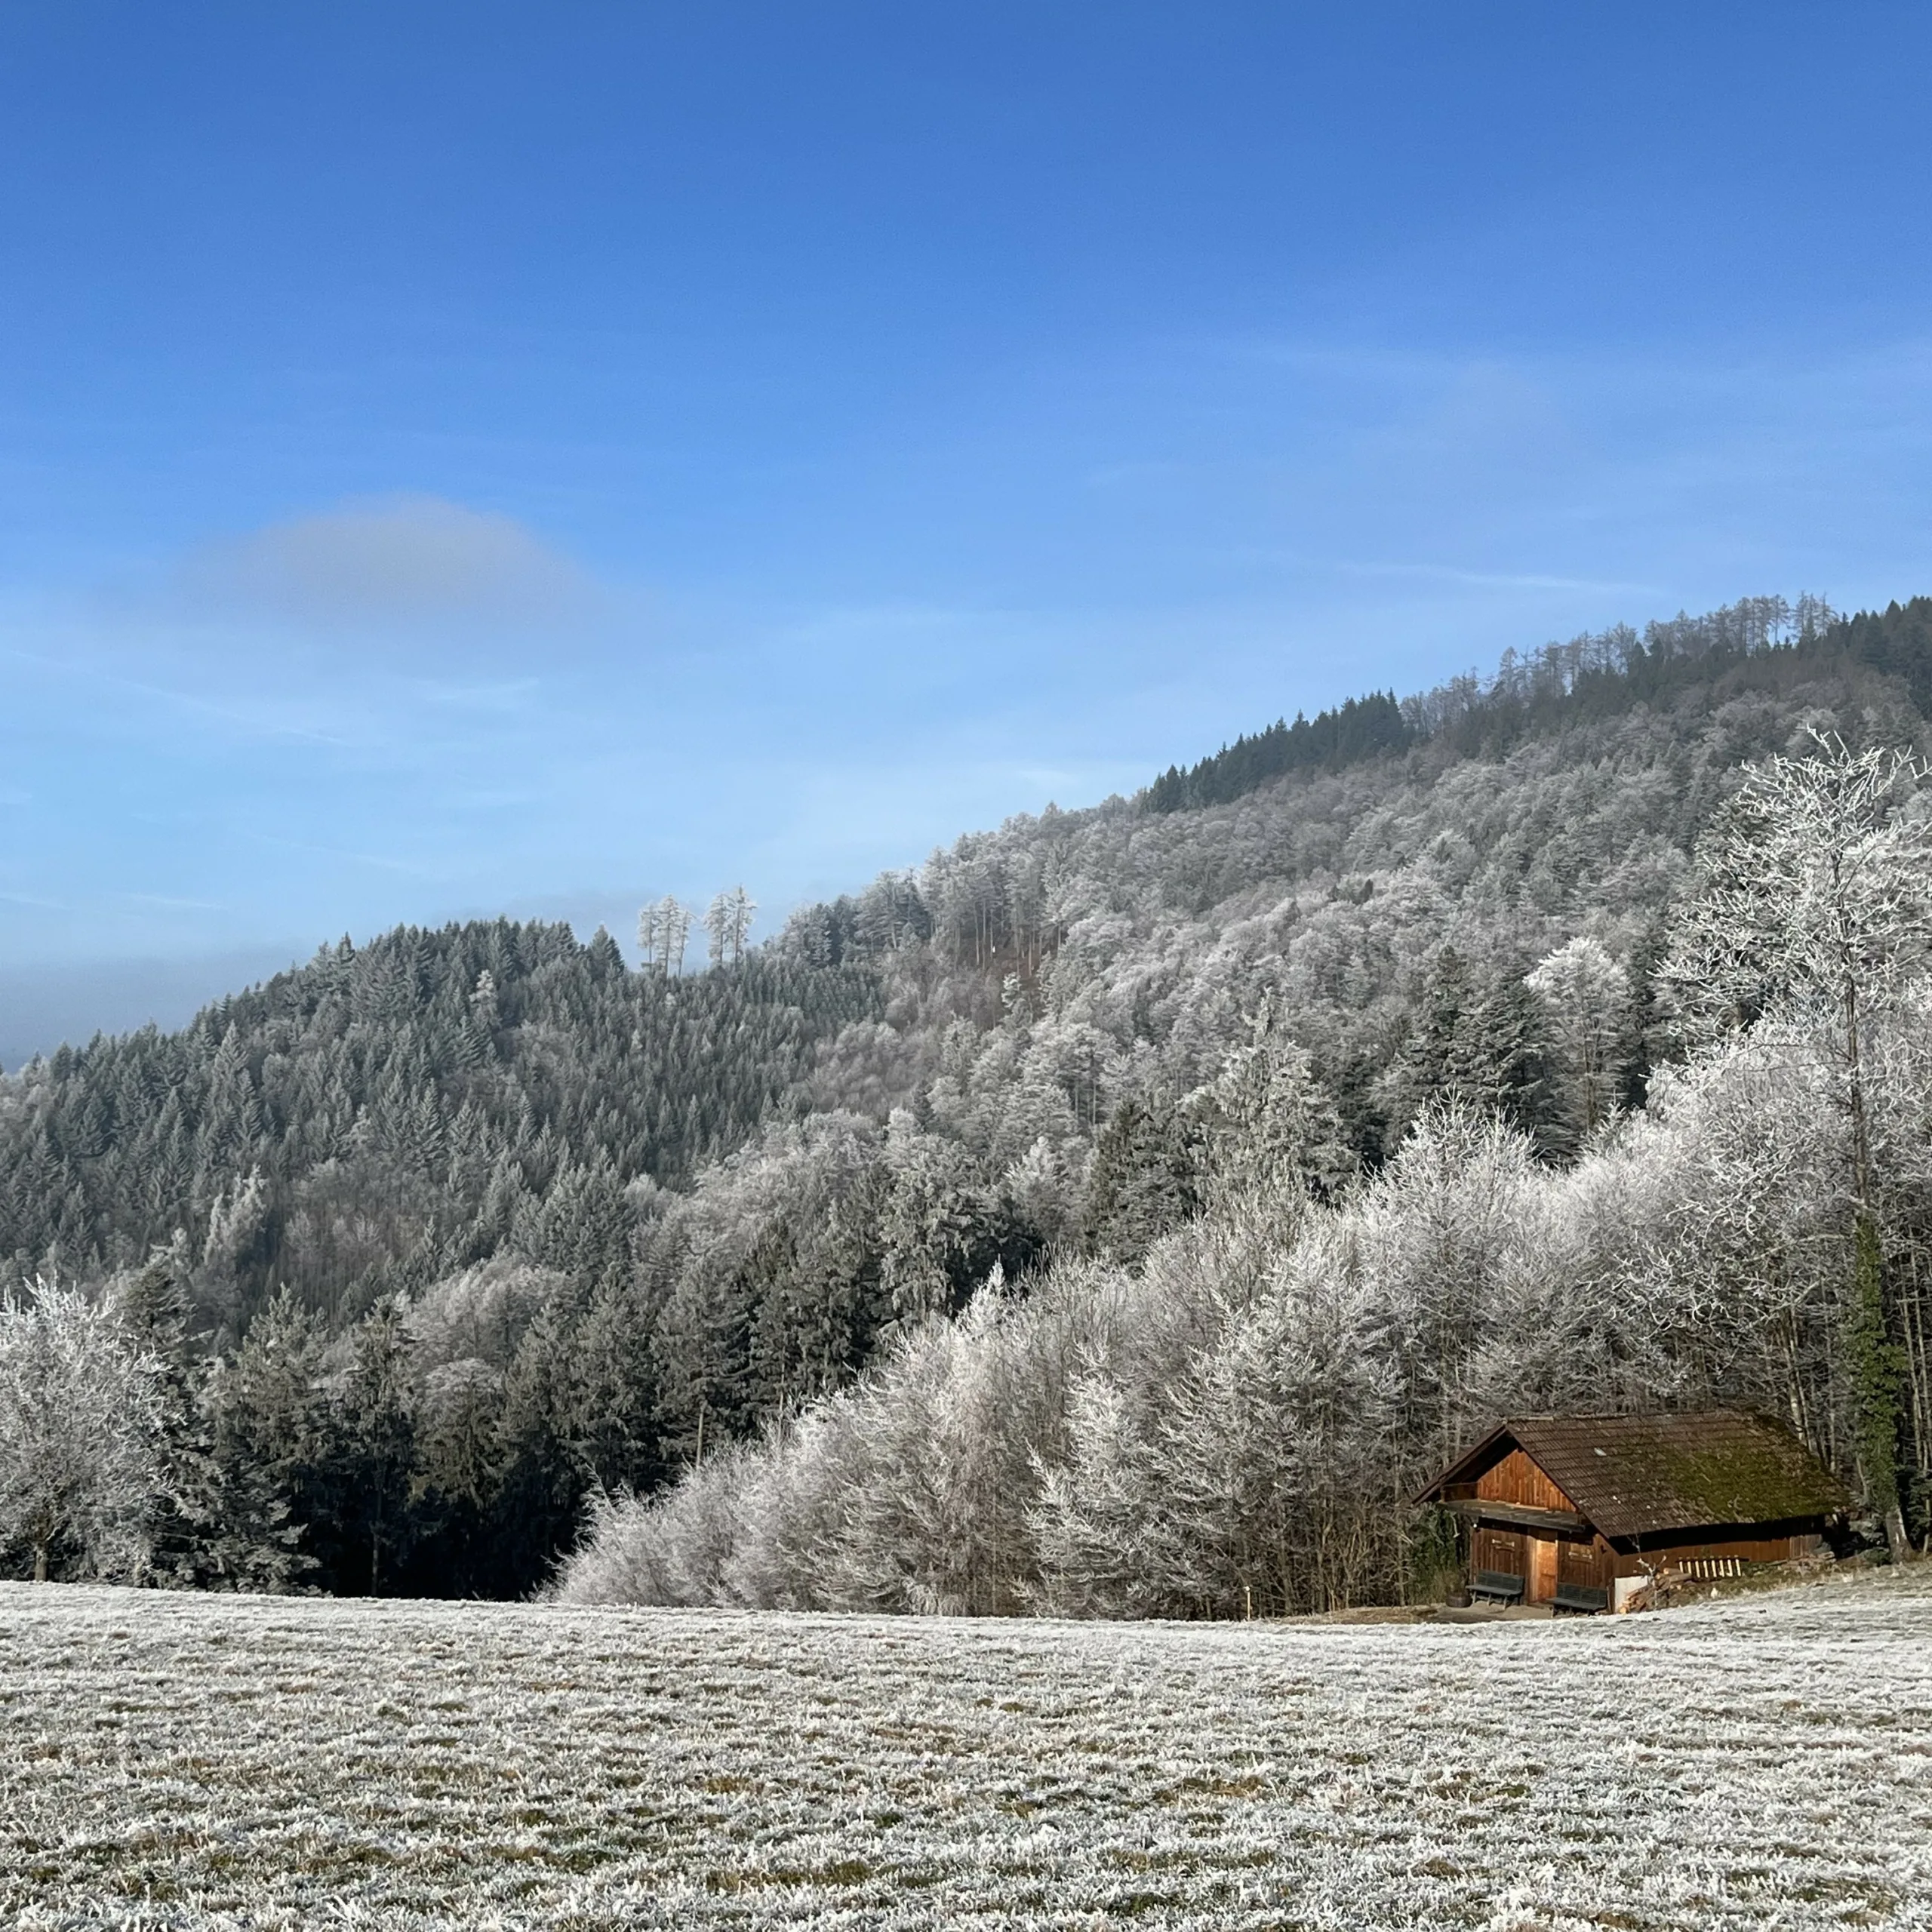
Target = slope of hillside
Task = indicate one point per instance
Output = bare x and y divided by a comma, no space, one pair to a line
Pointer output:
380,1116
1369,901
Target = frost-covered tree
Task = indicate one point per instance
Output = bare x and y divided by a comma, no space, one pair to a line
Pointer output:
1144,1180
483,1006
1588,994
1277,1478
238,1223
1103,1542
377,1409
214,1521
728,924
665,927
741,909
1815,906
1269,1129
80,1435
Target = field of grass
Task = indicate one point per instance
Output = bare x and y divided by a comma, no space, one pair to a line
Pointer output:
188,1762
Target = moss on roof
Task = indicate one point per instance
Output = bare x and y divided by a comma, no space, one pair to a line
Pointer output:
1639,1476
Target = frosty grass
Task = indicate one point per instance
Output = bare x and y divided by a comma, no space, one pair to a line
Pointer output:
182,1762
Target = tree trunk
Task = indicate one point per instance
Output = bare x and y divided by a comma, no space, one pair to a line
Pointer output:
40,1563
1875,1365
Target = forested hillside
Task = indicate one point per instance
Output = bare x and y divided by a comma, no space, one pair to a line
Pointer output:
379,1117
457,1228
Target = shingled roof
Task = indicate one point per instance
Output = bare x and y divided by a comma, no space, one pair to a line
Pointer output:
1638,1475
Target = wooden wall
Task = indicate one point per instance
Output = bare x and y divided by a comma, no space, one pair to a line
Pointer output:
1543,1562
1516,1479
1657,1553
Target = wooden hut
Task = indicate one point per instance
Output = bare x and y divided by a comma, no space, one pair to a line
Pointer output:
1581,1512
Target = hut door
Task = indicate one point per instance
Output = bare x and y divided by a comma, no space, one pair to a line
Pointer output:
1498,1549
1542,1571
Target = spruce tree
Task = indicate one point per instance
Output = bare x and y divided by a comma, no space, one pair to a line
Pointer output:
1143,1182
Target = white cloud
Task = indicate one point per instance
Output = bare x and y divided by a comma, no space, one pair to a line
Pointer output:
394,562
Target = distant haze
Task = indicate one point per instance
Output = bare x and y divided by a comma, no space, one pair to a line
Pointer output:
42,1006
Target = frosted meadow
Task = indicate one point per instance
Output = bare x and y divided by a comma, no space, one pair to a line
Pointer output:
173,1761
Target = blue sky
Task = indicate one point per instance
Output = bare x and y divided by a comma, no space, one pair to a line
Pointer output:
474,459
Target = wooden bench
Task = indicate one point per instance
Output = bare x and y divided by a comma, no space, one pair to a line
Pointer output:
1498,1584
1580,1598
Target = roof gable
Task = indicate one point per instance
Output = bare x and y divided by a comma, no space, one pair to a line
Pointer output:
1638,1475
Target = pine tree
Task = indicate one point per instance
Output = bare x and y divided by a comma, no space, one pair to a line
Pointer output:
546,1474
377,1425
1143,1181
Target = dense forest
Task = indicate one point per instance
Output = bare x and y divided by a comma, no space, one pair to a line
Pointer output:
959,1234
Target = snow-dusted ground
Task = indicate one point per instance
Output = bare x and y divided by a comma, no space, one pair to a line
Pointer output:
169,1761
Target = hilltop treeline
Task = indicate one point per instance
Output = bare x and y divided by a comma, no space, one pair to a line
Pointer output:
1592,677
1359,728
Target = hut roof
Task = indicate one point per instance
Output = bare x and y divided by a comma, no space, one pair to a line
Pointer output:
1638,1475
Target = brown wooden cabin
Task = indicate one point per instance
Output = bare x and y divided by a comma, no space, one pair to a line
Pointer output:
1580,1504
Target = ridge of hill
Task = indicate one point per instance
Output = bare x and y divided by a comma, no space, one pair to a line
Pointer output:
1594,675
384,1113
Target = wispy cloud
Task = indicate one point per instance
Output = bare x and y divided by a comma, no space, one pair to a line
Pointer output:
383,861
1495,579
247,717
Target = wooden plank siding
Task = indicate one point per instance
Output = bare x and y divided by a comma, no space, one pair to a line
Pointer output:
1542,1562
1517,1479
1655,1553
1498,1549
1592,1565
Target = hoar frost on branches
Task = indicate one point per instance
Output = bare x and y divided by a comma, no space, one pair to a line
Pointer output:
1815,908
80,1427
1587,992
1236,1420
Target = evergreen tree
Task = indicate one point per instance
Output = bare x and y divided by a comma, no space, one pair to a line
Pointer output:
1143,1181
376,1432
213,1521
1506,1058
547,1468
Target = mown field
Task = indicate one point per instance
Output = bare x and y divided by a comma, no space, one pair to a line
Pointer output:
176,1761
